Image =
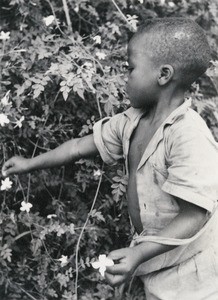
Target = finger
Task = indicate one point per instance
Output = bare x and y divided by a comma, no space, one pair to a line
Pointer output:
7,172
5,168
9,163
116,269
116,255
114,280
4,173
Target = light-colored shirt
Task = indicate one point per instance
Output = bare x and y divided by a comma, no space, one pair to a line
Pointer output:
181,161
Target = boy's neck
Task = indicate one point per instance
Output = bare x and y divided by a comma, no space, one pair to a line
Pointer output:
164,106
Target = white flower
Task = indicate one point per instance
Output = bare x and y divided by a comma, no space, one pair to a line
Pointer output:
12,217
5,99
63,260
102,263
133,21
51,216
101,55
19,122
3,120
72,228
25,206
97,173
88,65
171,4
4,35
49,20
76,9
97,39
6,184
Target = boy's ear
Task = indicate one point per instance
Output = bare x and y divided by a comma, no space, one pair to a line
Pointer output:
166,73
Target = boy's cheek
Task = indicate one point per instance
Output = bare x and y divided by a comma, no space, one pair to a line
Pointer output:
128,86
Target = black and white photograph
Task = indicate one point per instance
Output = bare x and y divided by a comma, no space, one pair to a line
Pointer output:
108,150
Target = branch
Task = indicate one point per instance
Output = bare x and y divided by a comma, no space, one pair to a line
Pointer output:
67,15
34,150
81,233
21,235
53,12
122,14
24,291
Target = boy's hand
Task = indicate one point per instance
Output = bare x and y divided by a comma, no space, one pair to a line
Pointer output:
126,261
15,165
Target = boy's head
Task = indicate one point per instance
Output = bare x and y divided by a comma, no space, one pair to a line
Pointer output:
177,42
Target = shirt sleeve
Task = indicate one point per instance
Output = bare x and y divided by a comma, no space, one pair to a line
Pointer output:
193,167
108,134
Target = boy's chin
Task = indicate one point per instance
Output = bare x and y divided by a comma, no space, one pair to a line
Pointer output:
137,105
142,105
134,104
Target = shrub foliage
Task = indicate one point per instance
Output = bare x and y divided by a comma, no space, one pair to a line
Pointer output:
63,67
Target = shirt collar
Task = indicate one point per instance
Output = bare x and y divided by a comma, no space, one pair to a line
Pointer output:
133,113
179,111
158,136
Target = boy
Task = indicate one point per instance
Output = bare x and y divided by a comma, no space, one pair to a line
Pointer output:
172,165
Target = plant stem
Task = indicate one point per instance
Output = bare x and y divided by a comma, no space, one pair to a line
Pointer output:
80,236
122,14
21,235
24,291
67,15
53,12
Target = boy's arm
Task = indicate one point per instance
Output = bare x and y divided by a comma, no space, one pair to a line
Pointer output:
69,151
186,224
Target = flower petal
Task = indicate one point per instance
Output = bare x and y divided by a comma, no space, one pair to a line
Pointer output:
102,270
96,265
108,262
102,258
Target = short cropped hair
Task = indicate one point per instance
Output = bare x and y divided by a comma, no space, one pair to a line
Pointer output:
177,41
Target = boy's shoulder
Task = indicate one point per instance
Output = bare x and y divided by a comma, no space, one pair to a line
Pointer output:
189,130
122,121
190,120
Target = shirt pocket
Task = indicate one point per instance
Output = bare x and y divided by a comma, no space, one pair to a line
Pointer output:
166,204
160,173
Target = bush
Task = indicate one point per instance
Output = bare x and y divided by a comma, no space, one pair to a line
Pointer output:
63,68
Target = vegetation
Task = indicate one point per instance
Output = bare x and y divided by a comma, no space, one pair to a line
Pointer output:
63,67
